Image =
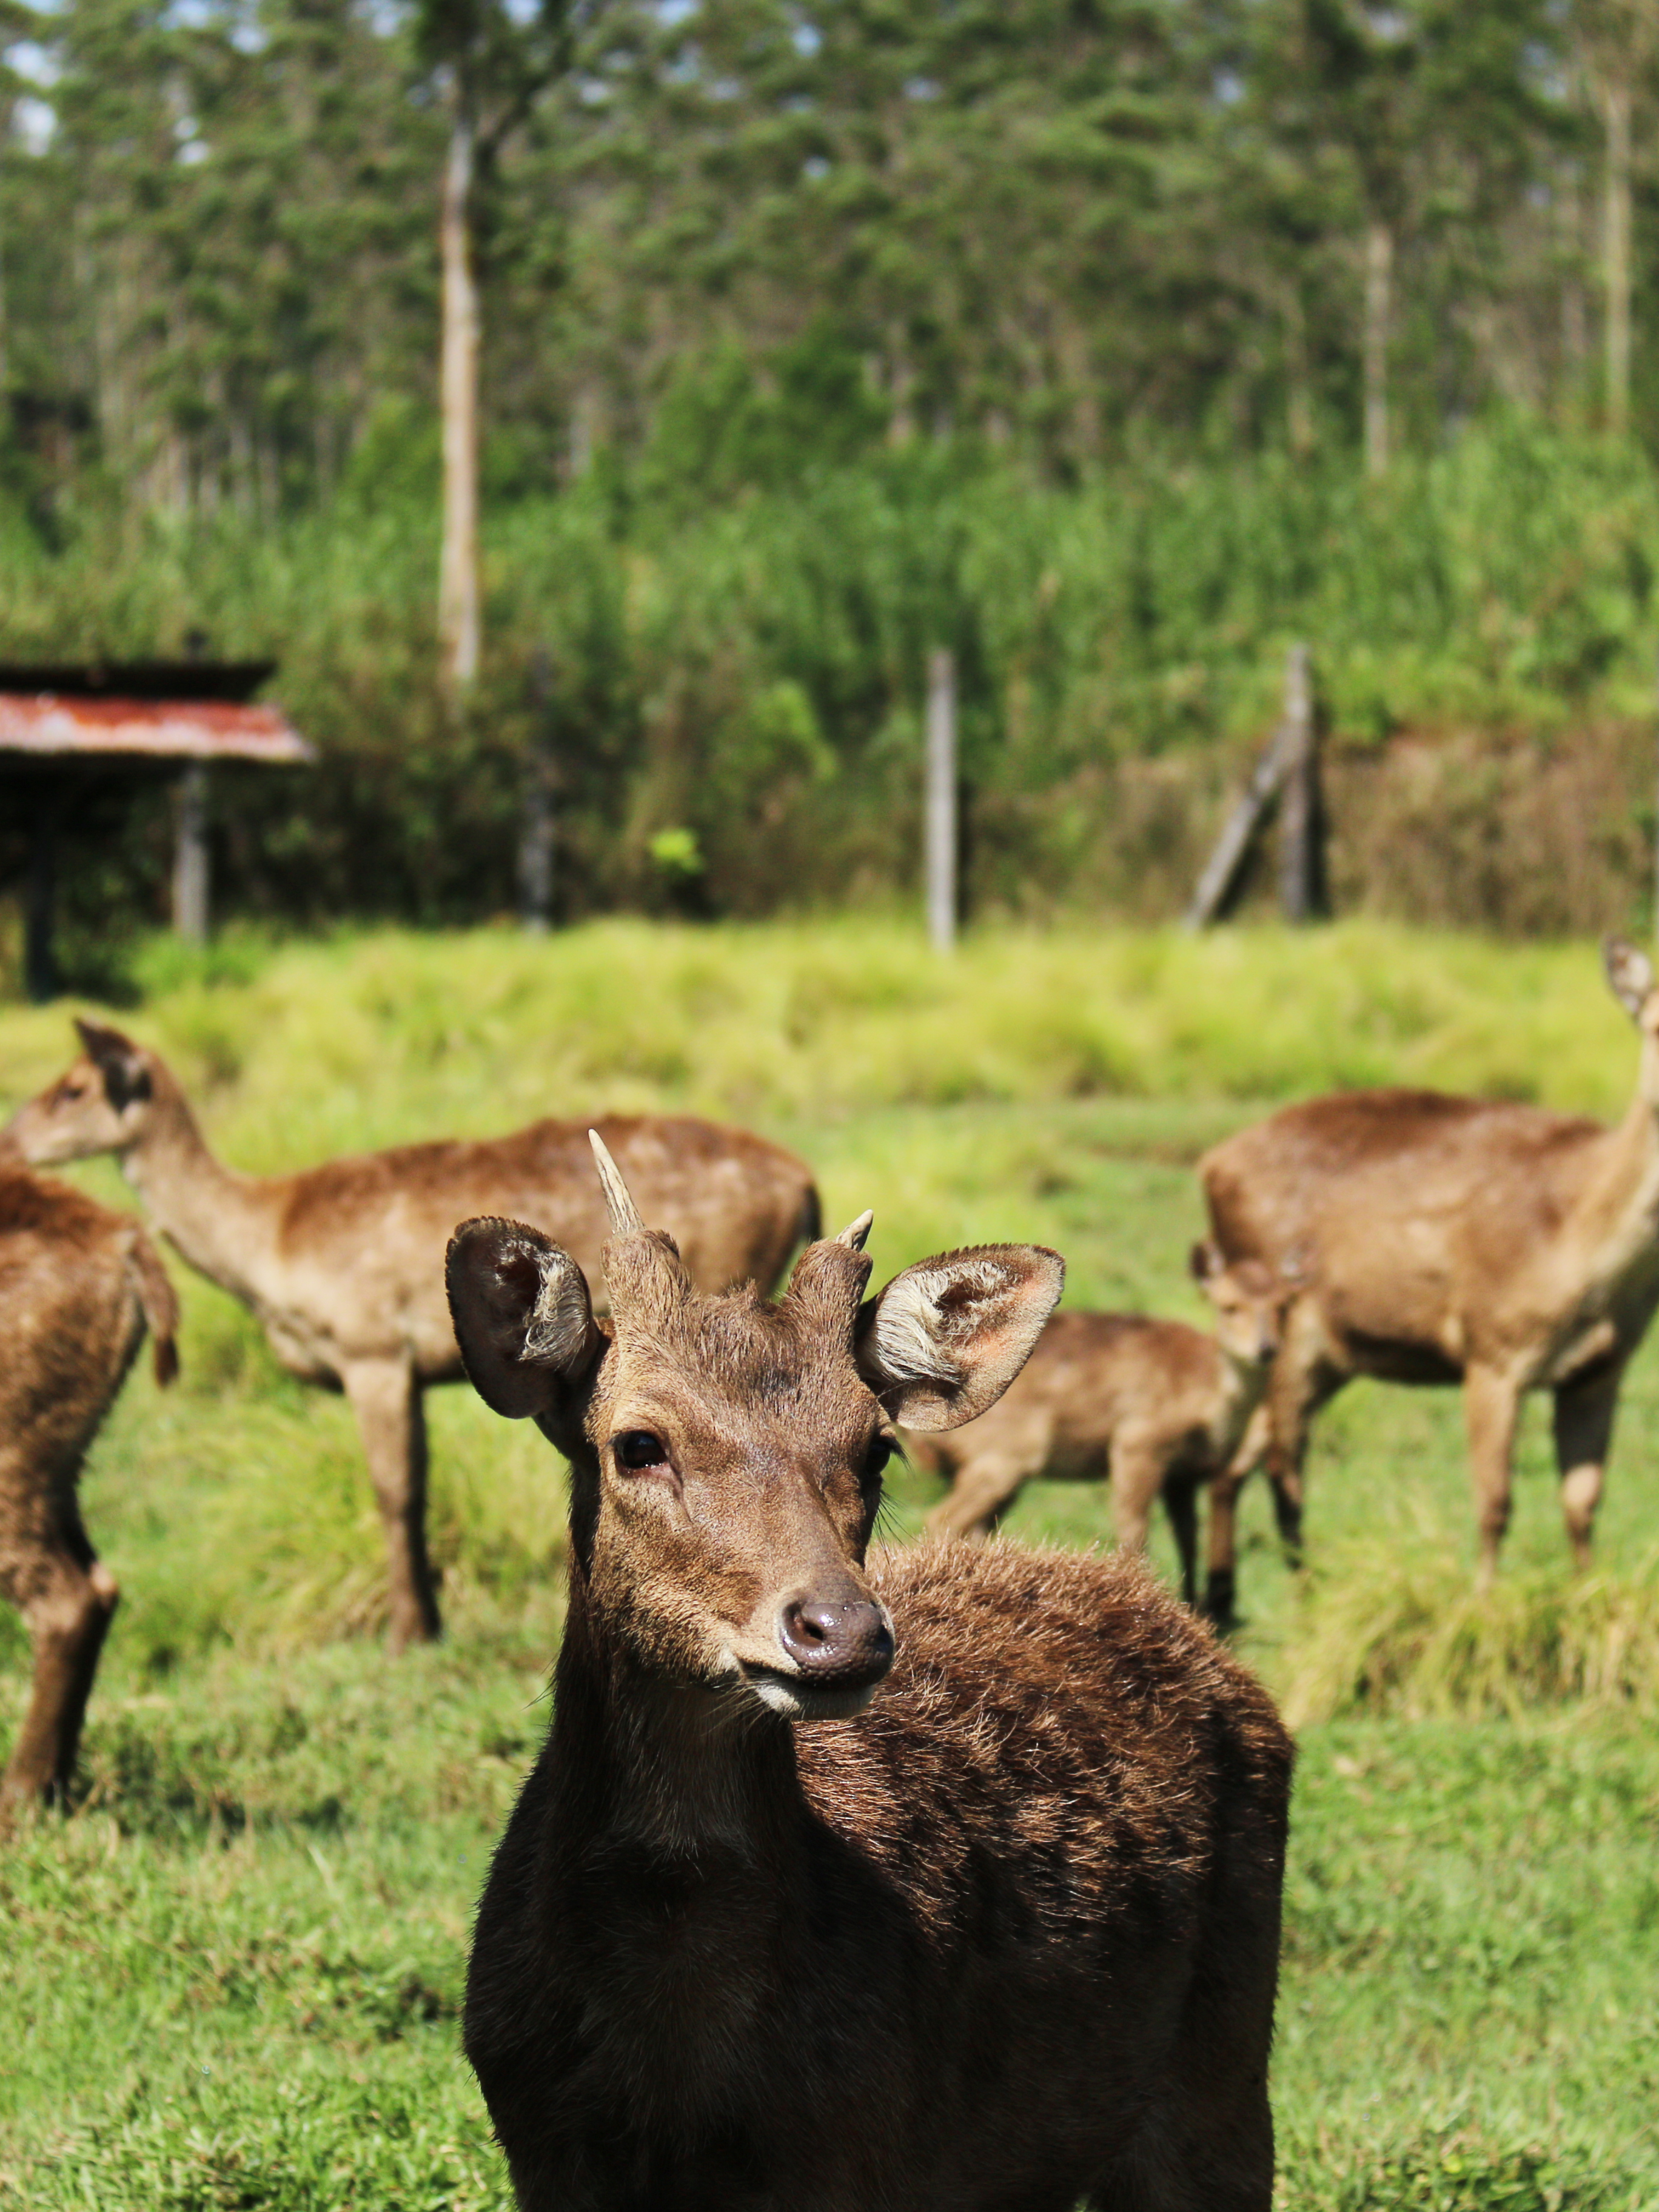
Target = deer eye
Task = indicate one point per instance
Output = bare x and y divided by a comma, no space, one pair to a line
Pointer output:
876,1458
637,1448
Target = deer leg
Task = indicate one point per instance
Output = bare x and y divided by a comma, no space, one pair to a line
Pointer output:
385,1397
1220,1587
1491,1404
1181,1503
981,1489
1584,1430
1138,1466
68,1597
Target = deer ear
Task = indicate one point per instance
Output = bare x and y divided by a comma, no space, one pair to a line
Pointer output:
1630,974
522,1315
944,1340
1204,1261
122,1065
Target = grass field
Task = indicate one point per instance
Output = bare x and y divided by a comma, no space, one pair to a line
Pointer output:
233,1978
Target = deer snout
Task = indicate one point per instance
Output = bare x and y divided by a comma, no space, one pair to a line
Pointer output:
842,1644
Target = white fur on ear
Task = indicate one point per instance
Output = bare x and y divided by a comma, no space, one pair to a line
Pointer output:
1630,972
944,1340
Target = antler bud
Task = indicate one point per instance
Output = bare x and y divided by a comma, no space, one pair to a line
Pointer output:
626,1219
855,1233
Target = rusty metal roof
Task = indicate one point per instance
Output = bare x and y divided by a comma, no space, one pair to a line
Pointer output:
44,724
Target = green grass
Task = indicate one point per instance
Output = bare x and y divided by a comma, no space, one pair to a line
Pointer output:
232,1980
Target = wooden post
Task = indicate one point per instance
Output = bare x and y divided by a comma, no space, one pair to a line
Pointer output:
1301,815
941,799
536,843
1291,753
39,965
189,859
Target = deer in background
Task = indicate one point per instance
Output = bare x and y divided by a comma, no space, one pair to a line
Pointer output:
342,1264
1156,1407
79,1284
853,1881
1456,1240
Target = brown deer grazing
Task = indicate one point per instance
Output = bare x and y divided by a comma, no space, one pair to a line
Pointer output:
1157,1407
1451,1240
342,1264
1008,1937
78,1285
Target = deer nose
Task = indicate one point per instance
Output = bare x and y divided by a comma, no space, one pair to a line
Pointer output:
848,1642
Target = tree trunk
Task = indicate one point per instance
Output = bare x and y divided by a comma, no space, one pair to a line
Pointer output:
1615,252
1298,396
457,576
1379,286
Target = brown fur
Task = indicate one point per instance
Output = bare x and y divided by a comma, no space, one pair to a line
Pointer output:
1451,1240
1155,1406
342,1263
1009,1937
78,1285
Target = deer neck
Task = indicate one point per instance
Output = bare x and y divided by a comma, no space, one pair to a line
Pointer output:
221,1223
1619,1207
1244,1386
660,1771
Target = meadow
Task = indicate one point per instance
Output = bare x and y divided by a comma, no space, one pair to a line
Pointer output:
233,1977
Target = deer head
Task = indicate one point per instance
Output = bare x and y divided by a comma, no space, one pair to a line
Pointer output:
1250,1301
101,1104
727,1453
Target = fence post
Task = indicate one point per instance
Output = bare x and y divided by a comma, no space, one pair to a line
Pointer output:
189,859
535,845
941,799
1301,896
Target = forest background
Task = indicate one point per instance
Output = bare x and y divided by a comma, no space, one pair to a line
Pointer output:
1112,343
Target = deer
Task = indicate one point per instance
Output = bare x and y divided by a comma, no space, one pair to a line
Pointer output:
1156,1408
1453,1240
342,1264
848,1879
80,1285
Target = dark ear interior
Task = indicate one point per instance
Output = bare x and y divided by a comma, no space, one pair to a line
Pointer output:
522,1315
118,1059
1204,1261
1630,972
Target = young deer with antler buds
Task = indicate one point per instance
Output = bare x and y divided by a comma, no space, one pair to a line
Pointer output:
850,1881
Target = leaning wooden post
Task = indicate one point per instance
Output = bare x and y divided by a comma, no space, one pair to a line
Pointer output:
1301,816
941,799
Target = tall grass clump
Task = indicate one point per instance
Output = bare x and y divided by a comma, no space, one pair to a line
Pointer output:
1387,1629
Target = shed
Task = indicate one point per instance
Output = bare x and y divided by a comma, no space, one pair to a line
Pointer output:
72,733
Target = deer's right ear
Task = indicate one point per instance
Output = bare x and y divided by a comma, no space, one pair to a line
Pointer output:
121,1062
523,1317
1630,974
940,1345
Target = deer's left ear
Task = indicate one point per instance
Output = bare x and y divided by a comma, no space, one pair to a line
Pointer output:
940,1345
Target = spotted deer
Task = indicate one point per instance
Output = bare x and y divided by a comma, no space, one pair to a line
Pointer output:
1456,1240
79,1285
853,1880
342,1264
1155,1407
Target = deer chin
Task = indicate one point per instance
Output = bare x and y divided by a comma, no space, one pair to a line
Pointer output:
798,1699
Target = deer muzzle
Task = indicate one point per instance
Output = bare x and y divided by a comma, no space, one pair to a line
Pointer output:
838,1650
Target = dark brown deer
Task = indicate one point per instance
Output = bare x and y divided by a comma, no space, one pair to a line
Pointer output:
342,1264
79,1284
850,1881
1456,1240
1156,1408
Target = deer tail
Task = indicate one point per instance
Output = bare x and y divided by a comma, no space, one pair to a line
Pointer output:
160,1301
